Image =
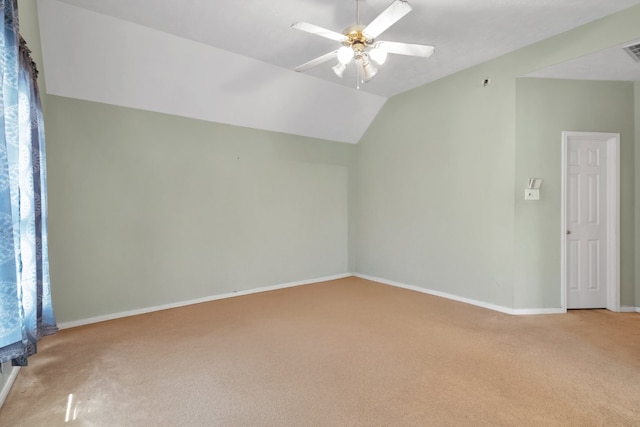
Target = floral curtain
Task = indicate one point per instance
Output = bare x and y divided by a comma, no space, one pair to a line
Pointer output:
26,314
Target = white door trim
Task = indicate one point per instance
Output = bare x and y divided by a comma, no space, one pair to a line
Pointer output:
613,216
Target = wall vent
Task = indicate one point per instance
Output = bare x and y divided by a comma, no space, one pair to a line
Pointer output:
634,51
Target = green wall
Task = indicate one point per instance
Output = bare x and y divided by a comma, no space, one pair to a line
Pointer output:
149,209
30,30
435,195
545,108
441,174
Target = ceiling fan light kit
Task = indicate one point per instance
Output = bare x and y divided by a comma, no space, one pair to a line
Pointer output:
378,54
345,54
359,44
339,69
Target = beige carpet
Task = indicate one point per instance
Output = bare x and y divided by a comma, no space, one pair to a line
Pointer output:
344,353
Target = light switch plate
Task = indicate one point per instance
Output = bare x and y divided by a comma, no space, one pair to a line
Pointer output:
531,194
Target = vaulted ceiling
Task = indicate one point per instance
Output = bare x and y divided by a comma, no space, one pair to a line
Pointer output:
233,61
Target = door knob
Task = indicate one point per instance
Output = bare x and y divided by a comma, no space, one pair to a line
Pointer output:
568,231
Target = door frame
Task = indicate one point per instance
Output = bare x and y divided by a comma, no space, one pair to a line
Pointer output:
613,215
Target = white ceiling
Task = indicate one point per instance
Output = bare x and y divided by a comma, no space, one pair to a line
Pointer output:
239,55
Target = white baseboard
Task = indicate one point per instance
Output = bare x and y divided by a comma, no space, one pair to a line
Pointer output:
495,307
88,321
527,311
627,309
518,311
8,383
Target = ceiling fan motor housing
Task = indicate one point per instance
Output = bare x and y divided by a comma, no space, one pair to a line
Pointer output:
356,38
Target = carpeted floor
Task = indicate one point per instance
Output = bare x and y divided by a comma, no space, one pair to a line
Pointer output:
348,352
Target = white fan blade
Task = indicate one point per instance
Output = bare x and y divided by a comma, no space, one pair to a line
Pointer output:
387,18
407,48
319,60
319,31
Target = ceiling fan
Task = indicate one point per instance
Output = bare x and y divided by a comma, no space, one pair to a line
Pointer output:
360,45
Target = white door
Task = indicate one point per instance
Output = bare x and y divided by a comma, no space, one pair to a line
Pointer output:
587,220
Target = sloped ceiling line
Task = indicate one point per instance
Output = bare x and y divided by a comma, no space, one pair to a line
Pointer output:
232,62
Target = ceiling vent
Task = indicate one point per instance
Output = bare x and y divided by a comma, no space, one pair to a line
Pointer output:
634,51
